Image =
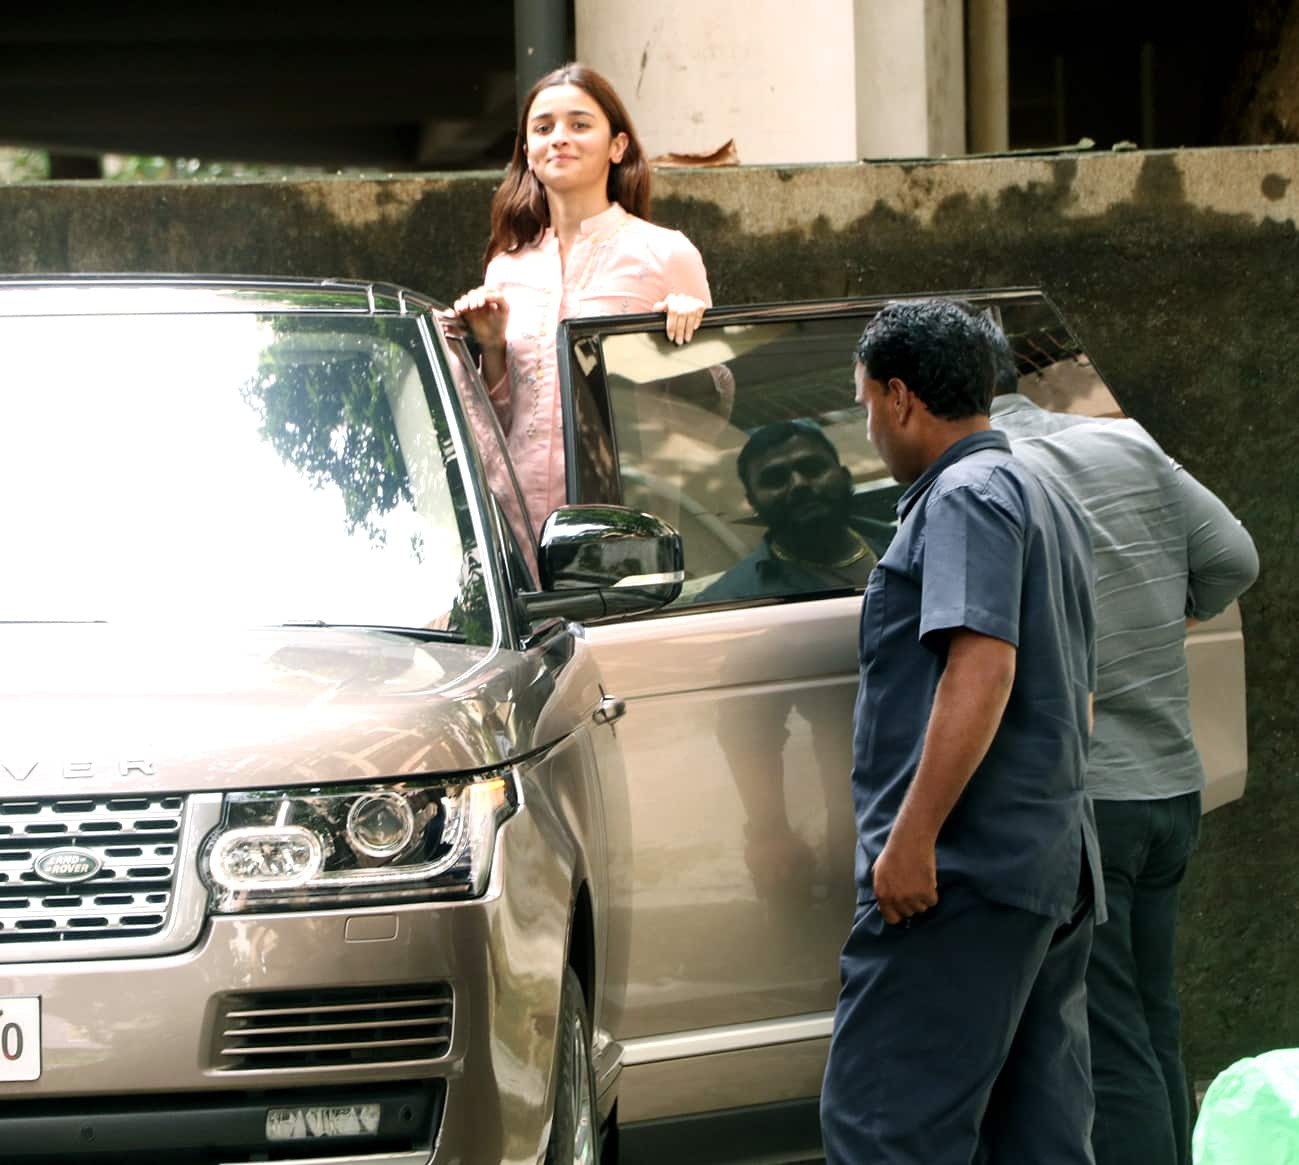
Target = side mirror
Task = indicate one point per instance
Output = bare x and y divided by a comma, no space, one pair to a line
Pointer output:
605,560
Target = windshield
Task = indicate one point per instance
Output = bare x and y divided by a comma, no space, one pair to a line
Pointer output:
231,468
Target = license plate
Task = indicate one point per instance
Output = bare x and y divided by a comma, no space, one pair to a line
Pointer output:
20,1037
315,1121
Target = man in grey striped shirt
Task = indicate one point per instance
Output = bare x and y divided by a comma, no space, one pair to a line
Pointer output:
1166,550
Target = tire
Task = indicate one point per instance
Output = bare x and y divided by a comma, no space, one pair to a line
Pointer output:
575,1130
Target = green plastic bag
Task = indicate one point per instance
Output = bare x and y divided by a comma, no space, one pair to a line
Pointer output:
1250,1115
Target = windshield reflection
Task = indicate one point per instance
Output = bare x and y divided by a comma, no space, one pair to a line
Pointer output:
232,469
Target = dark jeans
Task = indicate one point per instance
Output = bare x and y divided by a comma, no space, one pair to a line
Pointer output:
961,1038
1142,1107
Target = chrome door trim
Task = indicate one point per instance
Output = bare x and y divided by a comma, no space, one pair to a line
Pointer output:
738,1037
478,495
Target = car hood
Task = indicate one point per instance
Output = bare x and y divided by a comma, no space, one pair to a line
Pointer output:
88,708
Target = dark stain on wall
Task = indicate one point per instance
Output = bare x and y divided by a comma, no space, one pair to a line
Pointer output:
428,235
1189,312
1274,186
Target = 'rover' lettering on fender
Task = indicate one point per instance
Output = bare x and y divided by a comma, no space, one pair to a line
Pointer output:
80,768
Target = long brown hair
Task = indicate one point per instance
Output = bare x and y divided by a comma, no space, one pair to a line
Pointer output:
520,213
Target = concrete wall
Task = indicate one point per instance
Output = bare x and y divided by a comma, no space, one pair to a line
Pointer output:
1179,270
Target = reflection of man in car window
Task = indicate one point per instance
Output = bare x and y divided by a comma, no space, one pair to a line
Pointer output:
801,492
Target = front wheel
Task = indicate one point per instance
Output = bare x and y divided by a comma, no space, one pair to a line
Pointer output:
573,1133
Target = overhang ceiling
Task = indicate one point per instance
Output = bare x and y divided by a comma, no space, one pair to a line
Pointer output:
423,85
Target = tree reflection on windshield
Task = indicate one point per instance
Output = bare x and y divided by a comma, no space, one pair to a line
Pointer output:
322,395
241,468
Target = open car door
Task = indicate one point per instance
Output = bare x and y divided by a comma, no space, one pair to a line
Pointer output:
731,841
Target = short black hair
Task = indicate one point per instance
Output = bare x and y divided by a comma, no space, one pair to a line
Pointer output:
938,348
767,437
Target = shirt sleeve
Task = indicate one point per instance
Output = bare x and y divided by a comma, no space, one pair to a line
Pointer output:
973,567
494,270
1222,562
499,393
683,270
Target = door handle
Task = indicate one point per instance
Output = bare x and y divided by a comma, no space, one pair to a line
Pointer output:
610,709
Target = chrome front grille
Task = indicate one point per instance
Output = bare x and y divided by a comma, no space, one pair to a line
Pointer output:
135,838
292,1030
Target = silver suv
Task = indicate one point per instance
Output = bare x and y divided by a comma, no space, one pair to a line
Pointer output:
341,818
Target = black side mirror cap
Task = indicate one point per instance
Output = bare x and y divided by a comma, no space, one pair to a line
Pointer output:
595,561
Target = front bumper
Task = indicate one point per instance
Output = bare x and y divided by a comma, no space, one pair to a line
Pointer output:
185,1129
143,1035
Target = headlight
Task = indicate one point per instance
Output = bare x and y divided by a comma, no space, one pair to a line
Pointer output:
356,844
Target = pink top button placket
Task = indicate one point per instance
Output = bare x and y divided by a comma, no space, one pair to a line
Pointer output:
618,264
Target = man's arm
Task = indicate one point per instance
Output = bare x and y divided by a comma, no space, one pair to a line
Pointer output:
1221,560
968,705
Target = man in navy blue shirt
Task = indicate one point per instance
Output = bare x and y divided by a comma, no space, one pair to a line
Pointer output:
961,1029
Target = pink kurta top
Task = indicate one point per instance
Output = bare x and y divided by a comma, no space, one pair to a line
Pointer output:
619,264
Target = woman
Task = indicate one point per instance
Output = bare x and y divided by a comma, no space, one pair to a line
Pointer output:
570,237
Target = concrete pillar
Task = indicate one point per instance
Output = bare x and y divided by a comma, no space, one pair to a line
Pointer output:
777,77
823,81
989,77
911,78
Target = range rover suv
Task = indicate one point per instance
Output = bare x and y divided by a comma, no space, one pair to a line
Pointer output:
345,818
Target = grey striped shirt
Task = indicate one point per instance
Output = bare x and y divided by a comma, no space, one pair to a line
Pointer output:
1166,549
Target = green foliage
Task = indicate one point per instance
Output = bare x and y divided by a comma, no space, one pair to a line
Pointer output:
142,168
322,391
24,165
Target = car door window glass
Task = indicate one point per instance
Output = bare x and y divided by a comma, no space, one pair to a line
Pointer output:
748,439
749,442
1054,371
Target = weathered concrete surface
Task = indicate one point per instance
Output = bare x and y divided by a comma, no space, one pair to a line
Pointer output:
1179,270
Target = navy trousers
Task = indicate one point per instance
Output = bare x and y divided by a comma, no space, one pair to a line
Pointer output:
1143,1114
961,1038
